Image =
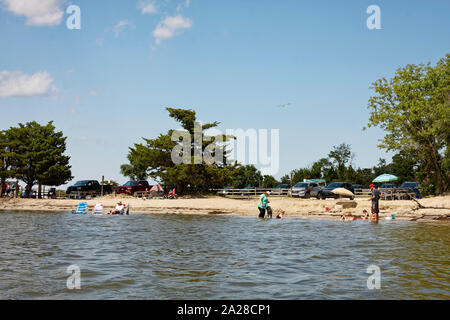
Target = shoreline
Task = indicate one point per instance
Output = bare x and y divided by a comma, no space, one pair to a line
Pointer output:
433,209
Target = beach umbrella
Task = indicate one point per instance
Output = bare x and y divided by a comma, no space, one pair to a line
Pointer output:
385,178
156,188
343,192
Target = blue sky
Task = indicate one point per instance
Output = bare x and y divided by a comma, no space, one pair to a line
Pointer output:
107,85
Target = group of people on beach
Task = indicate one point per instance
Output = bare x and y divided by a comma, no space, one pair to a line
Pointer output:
263,207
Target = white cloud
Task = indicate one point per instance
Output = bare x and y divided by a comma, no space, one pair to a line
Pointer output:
18,84
120,27
184,5
147,7
170,27
36,12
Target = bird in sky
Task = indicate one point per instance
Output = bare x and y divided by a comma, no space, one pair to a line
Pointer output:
284,105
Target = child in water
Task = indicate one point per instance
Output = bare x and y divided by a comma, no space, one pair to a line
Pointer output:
366,215
280,214
349,217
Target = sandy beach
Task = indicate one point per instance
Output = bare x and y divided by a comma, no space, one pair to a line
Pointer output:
437,208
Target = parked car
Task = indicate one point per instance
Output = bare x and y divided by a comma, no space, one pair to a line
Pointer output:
412,186
359,186
52,193
326,192
225,191
91,186
409,185
133,186
388,186
306,190
281,189
321,182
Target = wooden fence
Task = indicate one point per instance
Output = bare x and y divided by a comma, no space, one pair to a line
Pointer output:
386,194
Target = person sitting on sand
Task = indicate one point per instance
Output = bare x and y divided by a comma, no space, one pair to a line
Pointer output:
119,208
280,214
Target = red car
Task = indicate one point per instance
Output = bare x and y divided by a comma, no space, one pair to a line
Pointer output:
132,187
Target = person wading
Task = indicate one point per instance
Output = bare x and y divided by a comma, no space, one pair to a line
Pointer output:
262,204
375,202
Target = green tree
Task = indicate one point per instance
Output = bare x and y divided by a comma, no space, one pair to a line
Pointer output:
404,166
300,175
364,176
341,155
381,167
323,169
155,157
138,158
111,183
247,176
350,174
269,182
285,179
413,109
5,160
37,155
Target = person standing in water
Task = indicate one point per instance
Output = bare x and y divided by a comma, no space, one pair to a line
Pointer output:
262,204
375,202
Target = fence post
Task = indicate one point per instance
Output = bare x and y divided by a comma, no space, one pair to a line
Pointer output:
291,182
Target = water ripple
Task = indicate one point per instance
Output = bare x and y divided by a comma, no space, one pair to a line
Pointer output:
195,257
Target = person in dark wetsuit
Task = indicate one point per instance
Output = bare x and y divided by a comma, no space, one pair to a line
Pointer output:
375,198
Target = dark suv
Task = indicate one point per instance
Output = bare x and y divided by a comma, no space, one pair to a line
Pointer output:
89,186
326,192
413,186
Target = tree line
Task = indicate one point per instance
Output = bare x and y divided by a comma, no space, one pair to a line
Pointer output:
34,154
413,108
338,166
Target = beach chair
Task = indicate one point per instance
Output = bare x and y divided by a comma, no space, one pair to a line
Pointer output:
98,209
172,194
125,210
81,208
